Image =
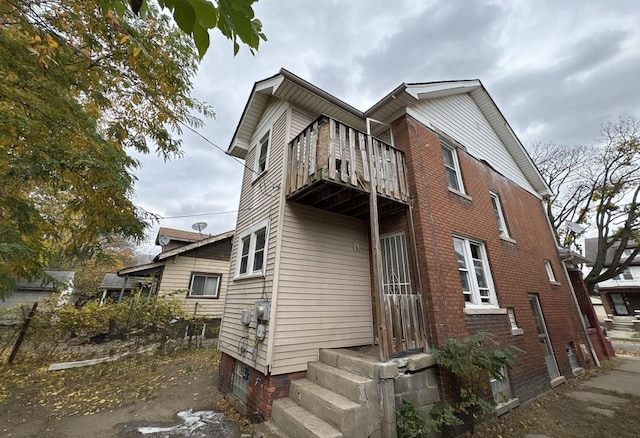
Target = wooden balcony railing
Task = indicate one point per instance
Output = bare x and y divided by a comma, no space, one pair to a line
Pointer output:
330,151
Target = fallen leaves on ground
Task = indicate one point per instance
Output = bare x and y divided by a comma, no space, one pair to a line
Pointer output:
102,387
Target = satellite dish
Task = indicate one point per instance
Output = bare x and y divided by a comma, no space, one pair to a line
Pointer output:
574,227
163,240
199,226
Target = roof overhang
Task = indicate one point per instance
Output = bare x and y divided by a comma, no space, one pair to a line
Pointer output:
407,94
191,246
295,90
145,270
571,257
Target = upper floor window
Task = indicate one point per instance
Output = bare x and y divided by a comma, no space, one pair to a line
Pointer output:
475,276
452,169
549,269
626,275
262,153
204,285
497,209
627,253
253,246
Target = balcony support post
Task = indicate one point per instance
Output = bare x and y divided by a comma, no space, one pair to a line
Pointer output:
384,338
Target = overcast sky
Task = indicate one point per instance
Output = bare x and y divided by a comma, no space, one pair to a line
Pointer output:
556,69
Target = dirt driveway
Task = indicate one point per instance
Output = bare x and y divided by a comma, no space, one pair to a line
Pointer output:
112,399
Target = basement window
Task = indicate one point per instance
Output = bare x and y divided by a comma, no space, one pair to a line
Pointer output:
241,381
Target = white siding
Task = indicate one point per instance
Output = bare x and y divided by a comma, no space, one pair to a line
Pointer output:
324,292
259,200
177,276
459,116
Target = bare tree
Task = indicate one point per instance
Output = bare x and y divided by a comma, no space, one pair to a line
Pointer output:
599,188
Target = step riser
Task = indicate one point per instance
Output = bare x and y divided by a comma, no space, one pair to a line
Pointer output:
353,365
343,414
356,388
291,418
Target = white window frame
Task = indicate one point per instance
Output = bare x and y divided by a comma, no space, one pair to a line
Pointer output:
455,168
251,236
624,275
266,137
550,273
206,276
497,208
474,293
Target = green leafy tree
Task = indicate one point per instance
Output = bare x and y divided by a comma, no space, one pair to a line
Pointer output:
597,187
82,85
234,19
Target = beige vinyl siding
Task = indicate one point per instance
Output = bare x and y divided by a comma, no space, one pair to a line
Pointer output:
459,116
259,201
324,287
177,276
300,119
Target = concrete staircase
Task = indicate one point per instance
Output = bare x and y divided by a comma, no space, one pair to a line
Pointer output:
338,398
624,323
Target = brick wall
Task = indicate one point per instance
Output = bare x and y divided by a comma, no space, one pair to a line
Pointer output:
262,390
517,267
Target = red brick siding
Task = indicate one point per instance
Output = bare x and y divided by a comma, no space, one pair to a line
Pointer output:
262,390
517,268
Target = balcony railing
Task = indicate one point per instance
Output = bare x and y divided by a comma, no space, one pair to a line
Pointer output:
330,151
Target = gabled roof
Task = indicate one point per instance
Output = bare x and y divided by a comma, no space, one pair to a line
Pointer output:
180,235
591,249
206,241
113,281
54,279
289,87
160,259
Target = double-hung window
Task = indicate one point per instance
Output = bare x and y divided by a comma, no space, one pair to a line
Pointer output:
253,246
452,168
497,209
204,285
475,276
262,153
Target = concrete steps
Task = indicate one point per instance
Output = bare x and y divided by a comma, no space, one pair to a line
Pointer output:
337,399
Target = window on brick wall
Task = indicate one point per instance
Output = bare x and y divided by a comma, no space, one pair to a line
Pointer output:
452,168
550,273
497,209
475,275
240,381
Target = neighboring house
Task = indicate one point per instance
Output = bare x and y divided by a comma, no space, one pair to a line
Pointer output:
621,294
191,267
415,221
57,284
115,288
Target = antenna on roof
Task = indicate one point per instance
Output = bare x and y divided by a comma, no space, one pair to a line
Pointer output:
199,226
572,226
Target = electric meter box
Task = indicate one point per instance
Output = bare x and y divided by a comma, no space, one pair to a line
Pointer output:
245,317
261,309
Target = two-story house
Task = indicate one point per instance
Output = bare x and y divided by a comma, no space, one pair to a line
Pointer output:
621,294
364,239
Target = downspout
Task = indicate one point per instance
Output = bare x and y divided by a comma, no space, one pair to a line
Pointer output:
573,292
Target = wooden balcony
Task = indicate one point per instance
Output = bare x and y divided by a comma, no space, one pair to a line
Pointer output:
334,167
